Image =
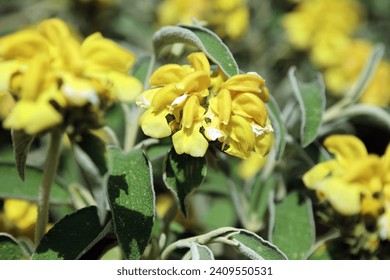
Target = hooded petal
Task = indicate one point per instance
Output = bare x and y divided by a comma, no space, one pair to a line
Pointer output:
345,147
194,82
104,54
245,83
125,88
250,106
200,62
23,44
168,74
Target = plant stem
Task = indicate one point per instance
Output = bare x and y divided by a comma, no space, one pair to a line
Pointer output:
49,174
132,116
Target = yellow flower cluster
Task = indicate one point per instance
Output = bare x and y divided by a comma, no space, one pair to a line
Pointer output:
18,218
325,29
49,78
228,18
198,106
354,182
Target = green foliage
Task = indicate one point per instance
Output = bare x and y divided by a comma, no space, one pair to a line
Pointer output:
182,175
201,38
10,249
294,230
311,100
13,187
22,143
73,236
131,197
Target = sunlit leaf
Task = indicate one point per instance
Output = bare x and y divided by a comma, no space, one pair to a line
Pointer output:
10,249
294,230
256,248
132,200
311,99
201,38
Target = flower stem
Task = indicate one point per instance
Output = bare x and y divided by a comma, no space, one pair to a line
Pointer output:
49,174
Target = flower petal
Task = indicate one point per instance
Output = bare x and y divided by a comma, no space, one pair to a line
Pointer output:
154,124
190,141
125,88
32,117
104,54
168,74
200,62
345,147
250,106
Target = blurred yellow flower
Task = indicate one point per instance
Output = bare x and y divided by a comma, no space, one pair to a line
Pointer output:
355,182
342,75
199,107
49,78
229,18
18,218
310,18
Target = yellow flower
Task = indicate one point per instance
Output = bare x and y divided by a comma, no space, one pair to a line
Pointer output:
229,18
355,182
199,107
18,217
48,77
312,18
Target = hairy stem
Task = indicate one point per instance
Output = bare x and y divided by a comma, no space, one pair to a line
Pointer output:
49,174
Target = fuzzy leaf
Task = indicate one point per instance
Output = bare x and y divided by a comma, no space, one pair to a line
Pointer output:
294,229
21,142
73,236
367,73
311,99
255,247
200,252
132,200
10,249
278,125
182,175
201,38
13,187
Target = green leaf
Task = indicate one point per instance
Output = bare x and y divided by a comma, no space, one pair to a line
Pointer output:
255,247
92,164
13,187
294,229
200,252
10,249
258,201
132,200
201,38
96,150
279,127
142,69
374,114
21,142
367,73
311,99
182,175
71,237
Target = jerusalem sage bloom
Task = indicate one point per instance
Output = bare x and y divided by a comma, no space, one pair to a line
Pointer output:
354,183
49,78
199,107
